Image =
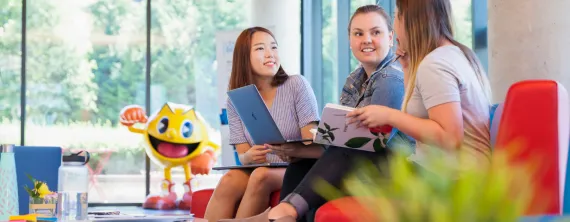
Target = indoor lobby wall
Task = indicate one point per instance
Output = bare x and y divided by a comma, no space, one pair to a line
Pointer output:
528,39
283,17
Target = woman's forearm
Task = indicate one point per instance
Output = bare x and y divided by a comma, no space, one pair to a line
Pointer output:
313,151
423,130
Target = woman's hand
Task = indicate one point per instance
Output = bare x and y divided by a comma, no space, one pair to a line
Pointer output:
404,59
284,151
256,154
371,116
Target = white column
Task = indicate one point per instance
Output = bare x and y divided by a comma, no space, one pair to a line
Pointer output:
283,18
528,39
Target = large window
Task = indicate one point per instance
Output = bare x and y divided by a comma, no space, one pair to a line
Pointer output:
85,62
329,52
10,70
462,16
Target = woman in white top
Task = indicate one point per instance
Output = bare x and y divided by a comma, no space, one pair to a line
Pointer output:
446,107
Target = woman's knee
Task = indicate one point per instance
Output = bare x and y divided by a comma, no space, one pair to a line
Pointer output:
261,179
233,183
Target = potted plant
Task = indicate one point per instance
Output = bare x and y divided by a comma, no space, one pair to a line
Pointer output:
42,200
500,192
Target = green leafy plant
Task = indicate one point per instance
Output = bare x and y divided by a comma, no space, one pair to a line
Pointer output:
398,190
40,189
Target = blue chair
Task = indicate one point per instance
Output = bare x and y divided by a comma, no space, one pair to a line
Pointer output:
42,163
496,113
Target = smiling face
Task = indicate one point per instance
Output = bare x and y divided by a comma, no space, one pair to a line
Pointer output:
370,38
264,55
174,135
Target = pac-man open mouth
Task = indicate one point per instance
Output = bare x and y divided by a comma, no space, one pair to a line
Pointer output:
172,150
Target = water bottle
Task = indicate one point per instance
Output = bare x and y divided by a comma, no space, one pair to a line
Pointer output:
72,187
8,183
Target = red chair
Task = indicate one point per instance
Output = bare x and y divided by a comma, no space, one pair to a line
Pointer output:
536,115
536,118
345,209
201,198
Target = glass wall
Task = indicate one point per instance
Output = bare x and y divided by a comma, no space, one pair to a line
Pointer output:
86,60
329,52
462,16
10,70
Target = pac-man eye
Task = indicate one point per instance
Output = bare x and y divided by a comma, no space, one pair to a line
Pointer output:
187,129
162,126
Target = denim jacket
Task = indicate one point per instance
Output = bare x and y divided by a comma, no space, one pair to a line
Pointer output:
384,87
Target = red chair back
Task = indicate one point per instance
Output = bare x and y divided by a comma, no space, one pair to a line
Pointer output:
535,125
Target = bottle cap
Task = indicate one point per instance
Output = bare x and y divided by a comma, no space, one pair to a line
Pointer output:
6,148
75,157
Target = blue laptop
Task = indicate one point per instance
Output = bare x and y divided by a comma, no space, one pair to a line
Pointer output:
256,117
42,163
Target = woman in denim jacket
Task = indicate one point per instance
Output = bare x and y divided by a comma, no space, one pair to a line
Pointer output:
378,80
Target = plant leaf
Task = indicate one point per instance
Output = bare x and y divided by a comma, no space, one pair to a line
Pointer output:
331,135
357,142
378,145
32,193
333,129
322,130
31,178
327,126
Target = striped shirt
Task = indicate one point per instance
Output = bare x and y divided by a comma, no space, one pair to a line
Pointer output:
294,107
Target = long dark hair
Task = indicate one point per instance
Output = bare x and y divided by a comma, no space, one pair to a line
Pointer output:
242,73
427,23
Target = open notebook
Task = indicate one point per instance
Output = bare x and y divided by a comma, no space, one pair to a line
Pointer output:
334,130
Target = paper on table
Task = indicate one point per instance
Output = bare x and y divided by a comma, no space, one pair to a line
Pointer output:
142,217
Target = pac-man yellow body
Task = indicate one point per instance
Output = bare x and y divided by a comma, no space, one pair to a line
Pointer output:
175,136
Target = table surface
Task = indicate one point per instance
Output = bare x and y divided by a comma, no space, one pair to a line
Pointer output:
140,211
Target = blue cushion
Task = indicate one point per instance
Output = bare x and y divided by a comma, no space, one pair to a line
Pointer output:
494,120
566,197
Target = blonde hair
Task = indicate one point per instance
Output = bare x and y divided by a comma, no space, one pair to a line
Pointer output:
427,23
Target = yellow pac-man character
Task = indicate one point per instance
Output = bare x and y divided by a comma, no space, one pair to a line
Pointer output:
175,136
